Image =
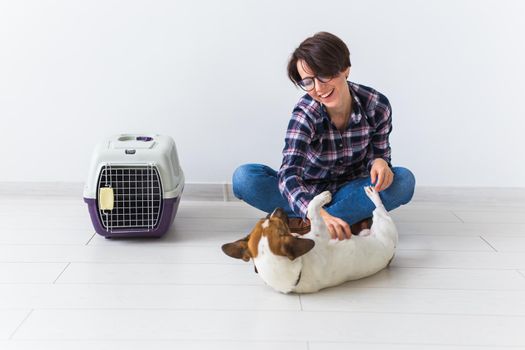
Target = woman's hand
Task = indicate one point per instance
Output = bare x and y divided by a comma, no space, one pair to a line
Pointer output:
382,173
337,228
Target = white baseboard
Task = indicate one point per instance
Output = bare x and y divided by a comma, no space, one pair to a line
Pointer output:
223,192
192,191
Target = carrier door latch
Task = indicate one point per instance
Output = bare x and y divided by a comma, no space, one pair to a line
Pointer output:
106,199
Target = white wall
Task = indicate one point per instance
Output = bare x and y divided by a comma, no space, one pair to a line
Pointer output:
212,75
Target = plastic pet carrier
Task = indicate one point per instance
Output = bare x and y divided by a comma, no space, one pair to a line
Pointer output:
134,186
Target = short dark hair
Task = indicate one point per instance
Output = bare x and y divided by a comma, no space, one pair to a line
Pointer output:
324,53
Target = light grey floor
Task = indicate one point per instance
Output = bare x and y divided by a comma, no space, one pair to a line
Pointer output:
457,282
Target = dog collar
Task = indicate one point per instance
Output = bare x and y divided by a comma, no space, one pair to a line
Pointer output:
298,278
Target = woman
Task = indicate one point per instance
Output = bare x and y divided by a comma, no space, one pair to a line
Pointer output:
337,140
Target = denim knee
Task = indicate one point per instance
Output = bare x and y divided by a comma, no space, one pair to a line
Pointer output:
239,178
407,183
246,176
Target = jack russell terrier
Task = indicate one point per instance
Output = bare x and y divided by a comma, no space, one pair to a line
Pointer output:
288,262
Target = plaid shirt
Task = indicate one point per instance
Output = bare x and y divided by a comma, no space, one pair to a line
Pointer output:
318,157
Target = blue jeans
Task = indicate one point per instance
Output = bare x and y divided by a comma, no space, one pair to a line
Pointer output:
257,185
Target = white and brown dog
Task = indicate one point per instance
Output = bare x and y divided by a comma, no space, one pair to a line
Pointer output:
305,264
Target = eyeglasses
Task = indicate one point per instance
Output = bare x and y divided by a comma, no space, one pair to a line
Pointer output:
308,84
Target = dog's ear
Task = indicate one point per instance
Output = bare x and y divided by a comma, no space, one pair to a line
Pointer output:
279,213
294,247
238,249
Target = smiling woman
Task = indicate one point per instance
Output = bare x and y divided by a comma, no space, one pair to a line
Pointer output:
337,140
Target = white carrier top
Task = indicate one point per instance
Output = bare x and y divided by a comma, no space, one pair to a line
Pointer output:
138,150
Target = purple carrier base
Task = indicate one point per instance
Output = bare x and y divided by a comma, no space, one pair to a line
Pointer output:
170,206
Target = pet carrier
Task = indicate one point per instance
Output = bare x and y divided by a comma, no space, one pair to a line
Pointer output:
134,186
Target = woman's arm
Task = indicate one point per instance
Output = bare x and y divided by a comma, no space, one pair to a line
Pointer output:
379,160
291,184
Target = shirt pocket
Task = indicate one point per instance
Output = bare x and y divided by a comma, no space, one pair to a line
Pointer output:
359,138
320,155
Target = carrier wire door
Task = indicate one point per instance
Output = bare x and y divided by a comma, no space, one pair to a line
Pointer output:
137,192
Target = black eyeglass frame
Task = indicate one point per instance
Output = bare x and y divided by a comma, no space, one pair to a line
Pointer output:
322,79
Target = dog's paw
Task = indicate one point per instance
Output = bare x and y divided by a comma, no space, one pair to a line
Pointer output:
373,195
317,203
364,233
371,192
324,197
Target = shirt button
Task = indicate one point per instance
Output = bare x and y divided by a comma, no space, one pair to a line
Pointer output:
340,145
340,161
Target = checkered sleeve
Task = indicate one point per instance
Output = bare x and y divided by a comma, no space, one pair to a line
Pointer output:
381,114
291,183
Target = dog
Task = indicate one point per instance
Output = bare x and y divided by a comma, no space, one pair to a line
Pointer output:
288,262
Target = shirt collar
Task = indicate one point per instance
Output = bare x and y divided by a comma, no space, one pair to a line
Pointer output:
357,107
